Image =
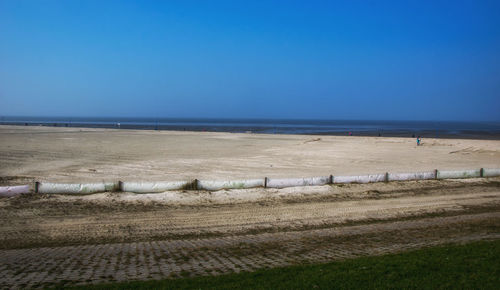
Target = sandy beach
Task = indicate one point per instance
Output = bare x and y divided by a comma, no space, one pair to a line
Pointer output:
120,236
85,155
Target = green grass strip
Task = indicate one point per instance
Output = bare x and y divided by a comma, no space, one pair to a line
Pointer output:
471,266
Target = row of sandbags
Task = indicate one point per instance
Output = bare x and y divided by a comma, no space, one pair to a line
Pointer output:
151,187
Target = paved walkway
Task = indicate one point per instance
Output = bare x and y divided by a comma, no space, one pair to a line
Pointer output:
39,267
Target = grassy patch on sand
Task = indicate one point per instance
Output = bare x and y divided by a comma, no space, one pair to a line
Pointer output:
471,266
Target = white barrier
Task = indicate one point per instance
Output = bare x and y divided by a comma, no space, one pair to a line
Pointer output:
76,188
491,172
8,191
450,174
382,177
411,176
229,184
292,182
150,187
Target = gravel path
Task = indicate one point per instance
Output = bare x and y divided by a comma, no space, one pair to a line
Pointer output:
37,267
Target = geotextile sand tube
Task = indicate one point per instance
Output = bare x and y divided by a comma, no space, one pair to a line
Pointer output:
381,177
162,186
8,191
491,172
155,186
76,188
292,182
411,176
449,174
229,184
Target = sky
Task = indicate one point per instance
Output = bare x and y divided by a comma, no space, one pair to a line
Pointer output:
373,60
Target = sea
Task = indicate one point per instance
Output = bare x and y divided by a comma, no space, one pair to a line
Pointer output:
388,128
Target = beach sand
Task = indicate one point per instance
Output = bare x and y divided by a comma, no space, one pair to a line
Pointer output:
86,155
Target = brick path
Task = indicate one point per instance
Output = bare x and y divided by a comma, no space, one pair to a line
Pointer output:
37,267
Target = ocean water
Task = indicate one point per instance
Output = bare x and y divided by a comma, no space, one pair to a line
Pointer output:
439,129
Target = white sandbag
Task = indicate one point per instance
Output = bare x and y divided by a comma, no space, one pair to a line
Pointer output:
491,172
8,191
360,178
229,184
449,174
150,187
292,182
76,188
411,176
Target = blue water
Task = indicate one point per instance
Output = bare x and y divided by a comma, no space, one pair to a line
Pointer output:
484,130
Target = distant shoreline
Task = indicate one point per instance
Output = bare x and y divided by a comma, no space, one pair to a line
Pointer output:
407,129
423,134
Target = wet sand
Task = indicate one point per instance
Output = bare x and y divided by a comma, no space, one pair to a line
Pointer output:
85,155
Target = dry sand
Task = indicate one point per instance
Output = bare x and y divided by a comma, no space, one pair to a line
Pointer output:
84,155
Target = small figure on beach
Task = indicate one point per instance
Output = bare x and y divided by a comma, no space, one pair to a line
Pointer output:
418,140
350,133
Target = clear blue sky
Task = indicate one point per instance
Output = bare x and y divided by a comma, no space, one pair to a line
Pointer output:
403,60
